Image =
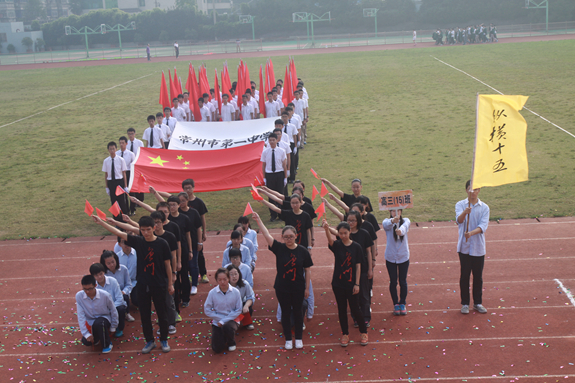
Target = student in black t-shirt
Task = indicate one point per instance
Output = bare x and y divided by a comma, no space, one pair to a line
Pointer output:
154,277
297,218
346,277
196,202
300,184
293,264
349,199
196,235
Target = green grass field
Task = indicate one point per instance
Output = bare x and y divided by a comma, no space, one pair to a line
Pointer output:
396,119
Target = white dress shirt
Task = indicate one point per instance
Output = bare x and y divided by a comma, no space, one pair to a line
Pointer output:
119,167
246,111
128,157
134,146
271,109
179,113
171,122
280,156
88,310
228,112
158,137
166,131
289,130
206,114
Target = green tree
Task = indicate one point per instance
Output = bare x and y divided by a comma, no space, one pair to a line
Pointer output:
33,10
164,36
40,43
27,42
36,25
11,48
76,7
186,4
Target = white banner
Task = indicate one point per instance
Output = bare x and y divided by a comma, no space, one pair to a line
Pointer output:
220,135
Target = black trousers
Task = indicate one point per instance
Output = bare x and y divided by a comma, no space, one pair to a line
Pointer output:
202,263
396,270
291,301
112,185
225,335
100,332
145,296
470,264
275,181
121,317
133,297
182,285
342,297
293,162
364,297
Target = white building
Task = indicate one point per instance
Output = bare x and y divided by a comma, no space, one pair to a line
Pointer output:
13,33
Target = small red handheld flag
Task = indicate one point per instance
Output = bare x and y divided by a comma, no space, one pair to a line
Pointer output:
88,209
255,194
258,182
119,190
248,210
320,211
324,190
115,209
314,193
101,214
314,174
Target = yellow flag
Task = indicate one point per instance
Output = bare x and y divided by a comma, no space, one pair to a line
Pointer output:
500,154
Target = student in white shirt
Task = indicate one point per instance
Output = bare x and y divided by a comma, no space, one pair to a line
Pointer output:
129,158
204,111
153,136
272,109
292,132
247,111
229,112
278,101
255,92
114,169
184,106
253,103
274,166
282,143
134,144
210,106
177,111
166,131
171,121
214,102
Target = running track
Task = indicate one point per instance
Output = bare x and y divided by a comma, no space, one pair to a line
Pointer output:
526,335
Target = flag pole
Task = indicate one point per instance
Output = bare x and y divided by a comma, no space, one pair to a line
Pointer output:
473,162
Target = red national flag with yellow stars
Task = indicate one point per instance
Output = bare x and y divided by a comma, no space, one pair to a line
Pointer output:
212,170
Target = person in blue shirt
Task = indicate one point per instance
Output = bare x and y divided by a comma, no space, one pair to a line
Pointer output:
97,315
236,260
223,305
111,286
128,257
121,274
472,217
397,257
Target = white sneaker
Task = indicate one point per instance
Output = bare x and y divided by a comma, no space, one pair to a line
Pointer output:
250,327
298,343
480,308
194,290
232,348
289,345
129,317
465,309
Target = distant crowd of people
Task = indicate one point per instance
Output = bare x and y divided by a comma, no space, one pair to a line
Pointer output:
473,34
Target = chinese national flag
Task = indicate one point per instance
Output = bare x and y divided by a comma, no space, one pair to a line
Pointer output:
248,210
164,98
262,100
314,174
115,209
255,194
324,190
212,170
320,211
119,190
101,214
314,192
88,209
257,182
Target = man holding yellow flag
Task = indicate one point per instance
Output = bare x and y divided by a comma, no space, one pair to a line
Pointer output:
472,218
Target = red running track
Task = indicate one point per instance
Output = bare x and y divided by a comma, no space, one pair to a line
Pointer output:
525,336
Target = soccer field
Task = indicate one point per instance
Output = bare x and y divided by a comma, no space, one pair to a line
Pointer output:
397,119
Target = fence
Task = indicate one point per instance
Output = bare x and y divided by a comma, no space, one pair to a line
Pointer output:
319,41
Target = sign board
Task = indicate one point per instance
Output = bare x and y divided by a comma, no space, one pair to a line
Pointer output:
393,200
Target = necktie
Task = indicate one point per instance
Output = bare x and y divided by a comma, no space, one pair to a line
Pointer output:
122,154
113,171
285,128
273,161
151,144
132,147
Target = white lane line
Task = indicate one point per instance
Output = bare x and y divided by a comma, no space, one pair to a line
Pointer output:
308,345
511,378
78,99
490,87
272,317
566,291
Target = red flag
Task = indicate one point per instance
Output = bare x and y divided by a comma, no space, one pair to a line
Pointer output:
115,209
293,74
272,75
193,89
119,190
314,174
173,90
247,81
219,169
262,100
255,194
88,209
226,83
320,211
287,95
257,182
267,87
247,319
248,210
217,92
240,90
204,84
314,193
101,214
323,190
177,83
164,98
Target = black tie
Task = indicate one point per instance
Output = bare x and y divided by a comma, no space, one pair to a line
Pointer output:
151,138
132,147
122,154
285,129
168,121
113,171
273,161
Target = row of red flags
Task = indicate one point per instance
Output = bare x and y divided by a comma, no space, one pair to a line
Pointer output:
197,88
114,209
320,211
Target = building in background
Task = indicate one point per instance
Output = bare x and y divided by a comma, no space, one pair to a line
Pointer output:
13,33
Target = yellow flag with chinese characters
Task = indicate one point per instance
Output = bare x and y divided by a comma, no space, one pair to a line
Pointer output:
500,153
